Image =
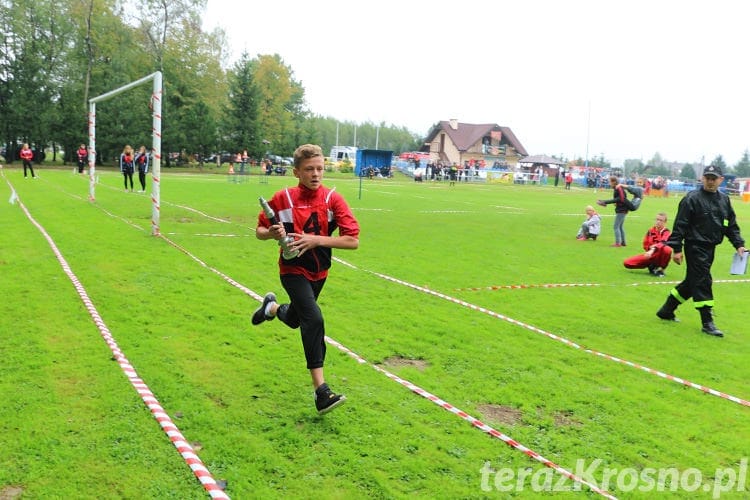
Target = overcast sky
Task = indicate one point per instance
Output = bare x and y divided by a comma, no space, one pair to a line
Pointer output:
625,79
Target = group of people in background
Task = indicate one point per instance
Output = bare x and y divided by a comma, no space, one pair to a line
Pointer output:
704,218
129,161
437,171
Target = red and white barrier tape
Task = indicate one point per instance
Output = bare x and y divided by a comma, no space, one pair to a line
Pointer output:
516,287
170,429
473,421
565,341
226,278
570,285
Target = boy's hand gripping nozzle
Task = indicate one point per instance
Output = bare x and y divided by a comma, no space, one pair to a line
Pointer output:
286,240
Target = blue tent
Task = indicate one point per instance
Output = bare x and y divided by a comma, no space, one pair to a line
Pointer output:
378,159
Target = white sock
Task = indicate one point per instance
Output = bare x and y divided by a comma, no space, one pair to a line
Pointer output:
268,309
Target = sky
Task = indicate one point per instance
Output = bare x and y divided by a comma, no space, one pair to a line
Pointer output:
577,78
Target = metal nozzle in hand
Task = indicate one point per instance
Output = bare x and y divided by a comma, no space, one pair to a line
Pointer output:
286,240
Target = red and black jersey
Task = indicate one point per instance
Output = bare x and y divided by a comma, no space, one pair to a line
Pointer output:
126,163
82,154
27,154
320,211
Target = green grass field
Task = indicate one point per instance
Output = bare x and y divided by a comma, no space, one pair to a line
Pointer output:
477,294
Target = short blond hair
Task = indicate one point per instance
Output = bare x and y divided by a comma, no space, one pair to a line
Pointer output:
306,151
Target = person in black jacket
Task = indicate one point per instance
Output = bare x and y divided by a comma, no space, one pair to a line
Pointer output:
141,162
704,217
126,165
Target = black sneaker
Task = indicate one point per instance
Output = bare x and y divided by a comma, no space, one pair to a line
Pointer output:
326,400
710,329
659,273
259,316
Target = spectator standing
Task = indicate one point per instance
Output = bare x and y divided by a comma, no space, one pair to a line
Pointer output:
453,174
142,161
82,154
27,158
126,166
620,200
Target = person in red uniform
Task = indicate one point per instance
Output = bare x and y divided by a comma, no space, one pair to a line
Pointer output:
27,156
83,155
127,166
658,253
310,213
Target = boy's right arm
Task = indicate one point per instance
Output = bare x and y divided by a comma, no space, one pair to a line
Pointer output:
263,232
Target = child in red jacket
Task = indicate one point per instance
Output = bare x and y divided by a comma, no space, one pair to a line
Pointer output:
657,255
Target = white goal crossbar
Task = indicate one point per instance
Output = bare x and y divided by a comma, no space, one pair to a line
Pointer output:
156,99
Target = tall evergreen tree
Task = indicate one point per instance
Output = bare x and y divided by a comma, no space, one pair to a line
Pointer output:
742,169
240,124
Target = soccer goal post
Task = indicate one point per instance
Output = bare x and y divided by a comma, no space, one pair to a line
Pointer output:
156,99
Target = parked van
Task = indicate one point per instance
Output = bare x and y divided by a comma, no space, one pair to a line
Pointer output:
344,153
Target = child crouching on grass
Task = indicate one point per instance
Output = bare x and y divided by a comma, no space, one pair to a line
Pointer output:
591,227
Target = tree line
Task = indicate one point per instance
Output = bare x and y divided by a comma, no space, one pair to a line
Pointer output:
55,55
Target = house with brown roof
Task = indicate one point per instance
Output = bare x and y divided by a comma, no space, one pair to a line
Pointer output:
453,142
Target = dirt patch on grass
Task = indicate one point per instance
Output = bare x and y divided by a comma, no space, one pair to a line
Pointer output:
11,492
398,361
499,413
565,419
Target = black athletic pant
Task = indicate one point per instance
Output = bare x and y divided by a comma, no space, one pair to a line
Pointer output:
128,175
303,312
27,164
698,282
142,178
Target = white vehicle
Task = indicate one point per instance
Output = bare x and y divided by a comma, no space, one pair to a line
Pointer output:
344,153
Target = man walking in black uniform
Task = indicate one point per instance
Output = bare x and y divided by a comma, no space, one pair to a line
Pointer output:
704,217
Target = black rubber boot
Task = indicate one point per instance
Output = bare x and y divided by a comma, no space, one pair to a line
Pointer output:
707,318
666,312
